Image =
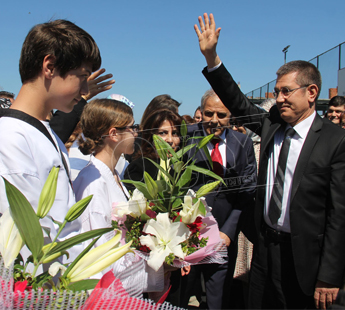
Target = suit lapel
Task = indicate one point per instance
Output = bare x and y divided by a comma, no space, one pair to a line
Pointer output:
312,137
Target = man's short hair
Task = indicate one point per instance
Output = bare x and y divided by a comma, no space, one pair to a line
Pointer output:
209,93
69,44
337,101
6,94
307,73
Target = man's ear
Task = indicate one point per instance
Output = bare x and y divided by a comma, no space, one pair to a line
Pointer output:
312,90
48,66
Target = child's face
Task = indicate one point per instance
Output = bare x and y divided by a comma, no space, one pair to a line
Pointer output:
67,91
127,136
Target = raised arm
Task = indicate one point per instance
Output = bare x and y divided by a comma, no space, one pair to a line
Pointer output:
208,38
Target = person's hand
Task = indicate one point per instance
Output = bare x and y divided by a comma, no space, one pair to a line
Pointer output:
96,84
226,239
325,294
185,270
208,38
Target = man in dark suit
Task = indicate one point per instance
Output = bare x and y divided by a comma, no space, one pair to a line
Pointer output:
299,253
236,164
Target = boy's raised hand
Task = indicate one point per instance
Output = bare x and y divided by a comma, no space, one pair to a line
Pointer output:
96,84
208,38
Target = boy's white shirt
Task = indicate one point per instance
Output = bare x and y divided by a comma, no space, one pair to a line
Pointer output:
26,158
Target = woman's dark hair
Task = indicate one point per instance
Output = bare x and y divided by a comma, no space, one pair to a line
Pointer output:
160,102
150,126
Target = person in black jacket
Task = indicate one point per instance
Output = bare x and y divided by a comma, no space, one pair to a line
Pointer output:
164,123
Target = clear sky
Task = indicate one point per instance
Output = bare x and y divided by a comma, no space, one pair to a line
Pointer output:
151,47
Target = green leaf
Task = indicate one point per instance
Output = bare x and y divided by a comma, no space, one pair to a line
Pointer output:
184,179
178,166
183,128
83,285
207,172
177,204
77,209
160,147
26,219
204,141
162,170
162,185
177,219
183,151
151,185
207,188
164,148
141,187
208,155
202,208
68,243
144,217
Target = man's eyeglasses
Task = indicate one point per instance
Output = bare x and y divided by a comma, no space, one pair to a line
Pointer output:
134,128
286,92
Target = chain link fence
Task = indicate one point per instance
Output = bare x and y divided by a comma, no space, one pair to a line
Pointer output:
328,64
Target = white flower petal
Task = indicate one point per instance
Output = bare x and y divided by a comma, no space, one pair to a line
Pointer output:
11,241
55,267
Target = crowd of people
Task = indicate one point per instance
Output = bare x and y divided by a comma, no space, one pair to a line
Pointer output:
283,224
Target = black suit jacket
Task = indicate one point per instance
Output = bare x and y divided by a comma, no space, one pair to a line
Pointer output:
317,204
229,201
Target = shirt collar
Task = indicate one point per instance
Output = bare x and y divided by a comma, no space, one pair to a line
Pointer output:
222,137
303,127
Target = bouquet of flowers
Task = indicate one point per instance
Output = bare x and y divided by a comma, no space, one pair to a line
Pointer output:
19,226
165,220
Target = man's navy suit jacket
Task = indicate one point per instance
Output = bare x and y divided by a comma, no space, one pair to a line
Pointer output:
227,202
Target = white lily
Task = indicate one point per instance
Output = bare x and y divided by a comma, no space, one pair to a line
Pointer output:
191,211
55,268
135,207
98,259
165,238
11,241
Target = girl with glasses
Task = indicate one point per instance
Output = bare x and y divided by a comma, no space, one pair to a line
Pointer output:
107,132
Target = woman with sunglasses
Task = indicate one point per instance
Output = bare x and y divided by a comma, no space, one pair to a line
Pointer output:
108,131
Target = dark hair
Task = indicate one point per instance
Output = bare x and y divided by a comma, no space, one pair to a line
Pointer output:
150,126
337,101
69,44
6,94
307,73
160,102
188,119
98,117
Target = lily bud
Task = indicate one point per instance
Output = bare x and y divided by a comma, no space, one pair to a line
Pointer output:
50,258
11,241
48,193
77,209
98,259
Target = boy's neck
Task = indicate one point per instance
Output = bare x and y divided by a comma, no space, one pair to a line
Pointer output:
32,100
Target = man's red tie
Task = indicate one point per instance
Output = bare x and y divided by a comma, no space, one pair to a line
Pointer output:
217,158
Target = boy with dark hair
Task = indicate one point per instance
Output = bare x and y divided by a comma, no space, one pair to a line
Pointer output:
56,60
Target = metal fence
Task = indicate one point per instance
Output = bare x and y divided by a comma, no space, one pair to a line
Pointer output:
328,64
